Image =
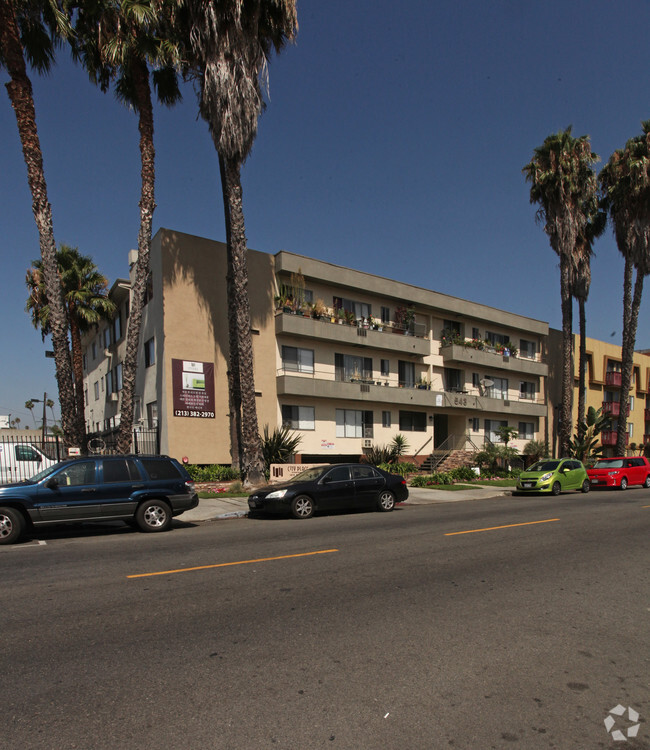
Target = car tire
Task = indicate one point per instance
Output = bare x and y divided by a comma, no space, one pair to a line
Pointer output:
586,486
11,525
153,516
623,484
302,507
556,488
386,501
646,484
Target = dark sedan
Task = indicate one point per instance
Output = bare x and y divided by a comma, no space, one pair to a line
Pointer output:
334,487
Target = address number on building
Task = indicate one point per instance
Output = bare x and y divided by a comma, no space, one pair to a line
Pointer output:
192,413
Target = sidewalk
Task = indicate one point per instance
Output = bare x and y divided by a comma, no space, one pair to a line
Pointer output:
214,508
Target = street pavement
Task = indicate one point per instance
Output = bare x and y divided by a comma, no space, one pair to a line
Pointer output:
214,508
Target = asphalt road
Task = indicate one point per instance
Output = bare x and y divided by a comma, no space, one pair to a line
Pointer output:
353,631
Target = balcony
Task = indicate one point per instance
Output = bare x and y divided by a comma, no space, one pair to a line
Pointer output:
613,408
613,379
490,359
387,339
608,437
377,392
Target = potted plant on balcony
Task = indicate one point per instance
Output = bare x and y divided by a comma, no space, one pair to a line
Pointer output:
318,309
349,318
423,384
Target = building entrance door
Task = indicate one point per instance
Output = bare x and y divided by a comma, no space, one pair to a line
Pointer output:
440,429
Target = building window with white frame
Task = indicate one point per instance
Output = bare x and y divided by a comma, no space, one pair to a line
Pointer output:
298,417
352,367
385,368
498,389
491,427
526,431
385,419
117,327
297,360
527,391
412,421
152,414
96,389
527,349
354,423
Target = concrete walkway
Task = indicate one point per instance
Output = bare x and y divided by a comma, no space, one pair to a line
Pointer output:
213,508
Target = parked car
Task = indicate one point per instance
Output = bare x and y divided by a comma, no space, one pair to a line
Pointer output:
554,476
621,472
332,487
20,461
145,491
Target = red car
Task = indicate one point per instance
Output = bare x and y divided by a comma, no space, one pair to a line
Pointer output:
620,472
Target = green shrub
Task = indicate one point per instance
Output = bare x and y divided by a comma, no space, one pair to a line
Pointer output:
426,480
402,468
212,473
463,474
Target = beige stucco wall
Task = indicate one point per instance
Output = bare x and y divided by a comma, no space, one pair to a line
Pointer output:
195,312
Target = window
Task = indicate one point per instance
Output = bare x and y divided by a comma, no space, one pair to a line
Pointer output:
76,474
297,360
158,468
339,474
631,403
385,419
453,379
475,424
412,421
152,414
109,382
117,328
385,314
120,470
476,334
85,362
385,368
406,374
526,431
527,349
360,309
93,348
96,389
630,430
298,417
476,380
364,472
353,423
491,426
27,453
149,352
106,338
527,391
499,389
496,338
352,367
118,377
453,326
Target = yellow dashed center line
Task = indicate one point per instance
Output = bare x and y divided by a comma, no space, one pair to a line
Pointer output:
238,562
508,526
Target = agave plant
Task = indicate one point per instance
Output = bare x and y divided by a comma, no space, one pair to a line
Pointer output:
279,446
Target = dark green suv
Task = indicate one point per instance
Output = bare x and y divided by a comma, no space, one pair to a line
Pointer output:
145,491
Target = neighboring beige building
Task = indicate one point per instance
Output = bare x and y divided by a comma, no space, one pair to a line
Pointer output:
412,361
603,387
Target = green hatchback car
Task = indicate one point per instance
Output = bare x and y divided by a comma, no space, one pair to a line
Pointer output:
554,475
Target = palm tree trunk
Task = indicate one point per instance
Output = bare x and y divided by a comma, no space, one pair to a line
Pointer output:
234,391
252,466
627,355
566,416
78,372
19,89
140,74
582,365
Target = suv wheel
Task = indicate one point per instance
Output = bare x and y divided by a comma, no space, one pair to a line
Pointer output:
154,515
11,525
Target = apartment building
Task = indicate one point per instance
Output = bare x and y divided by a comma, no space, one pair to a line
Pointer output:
603,388
346,358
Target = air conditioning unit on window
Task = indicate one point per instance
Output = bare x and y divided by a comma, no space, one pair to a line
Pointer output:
367,443
113,397
107,352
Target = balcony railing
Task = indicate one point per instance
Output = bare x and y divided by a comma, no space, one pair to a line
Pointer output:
613,408
613,379
608,437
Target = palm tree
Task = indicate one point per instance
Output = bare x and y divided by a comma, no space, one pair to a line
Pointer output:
50,405
118,41
29,30
228,48
564,185
626,195
580,282
86,303
30,405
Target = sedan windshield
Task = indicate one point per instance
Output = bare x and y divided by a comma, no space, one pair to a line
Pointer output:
614,463
309,475
544,466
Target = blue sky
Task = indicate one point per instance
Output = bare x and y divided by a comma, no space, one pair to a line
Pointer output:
393,143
